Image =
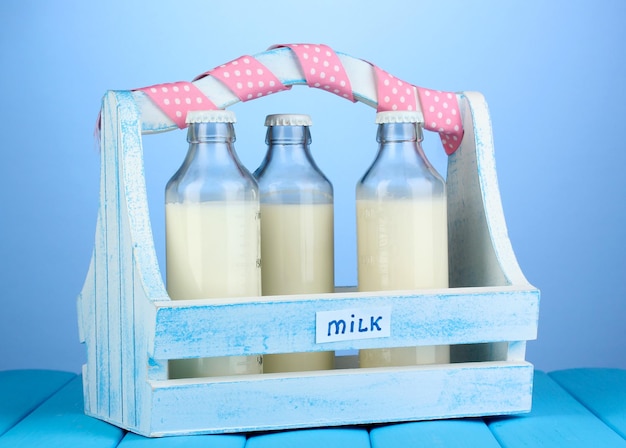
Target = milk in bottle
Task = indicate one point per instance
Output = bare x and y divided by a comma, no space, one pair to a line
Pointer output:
297,237
212,227
402,238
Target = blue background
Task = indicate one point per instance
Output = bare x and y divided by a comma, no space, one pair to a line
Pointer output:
553,73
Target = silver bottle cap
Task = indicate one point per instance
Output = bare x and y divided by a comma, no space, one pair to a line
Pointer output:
288,120
399,116
211,116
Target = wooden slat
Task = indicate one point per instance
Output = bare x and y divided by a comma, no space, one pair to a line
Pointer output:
126,361
313,438
556,420
449,316
60,422
204,441
21,391
466,433
283,401
106,262
602,391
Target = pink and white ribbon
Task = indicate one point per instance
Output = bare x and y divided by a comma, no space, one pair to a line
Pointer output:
442,115
440,109
322,68
177,98
248,79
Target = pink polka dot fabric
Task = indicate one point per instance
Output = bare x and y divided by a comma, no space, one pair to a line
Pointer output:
177,98
322,68
442,115
393,93
440,109
247,78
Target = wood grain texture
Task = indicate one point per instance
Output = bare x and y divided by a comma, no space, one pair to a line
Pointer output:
216,328
466,433
327,438
132,440
557,419
336,398
59,422
21,391
602,391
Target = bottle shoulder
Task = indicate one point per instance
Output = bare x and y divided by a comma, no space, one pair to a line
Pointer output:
207,182
400,178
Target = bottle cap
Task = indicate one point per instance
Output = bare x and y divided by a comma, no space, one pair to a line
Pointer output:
399,116
211,116
288,120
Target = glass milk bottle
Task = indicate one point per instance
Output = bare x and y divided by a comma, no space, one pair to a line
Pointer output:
297,237
402,240
212,225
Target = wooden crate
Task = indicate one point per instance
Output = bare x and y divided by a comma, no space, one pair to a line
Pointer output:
131,328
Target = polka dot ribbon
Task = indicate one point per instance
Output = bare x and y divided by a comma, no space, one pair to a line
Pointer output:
177,98
322,68
442,115
247,78
440,109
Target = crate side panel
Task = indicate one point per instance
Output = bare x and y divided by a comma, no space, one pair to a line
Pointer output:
139,277
472,260
105,259
488,178
480,251
129,143
199,328
358,397
86,311
143,279
117,364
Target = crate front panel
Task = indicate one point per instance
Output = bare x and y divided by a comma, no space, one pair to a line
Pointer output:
256,326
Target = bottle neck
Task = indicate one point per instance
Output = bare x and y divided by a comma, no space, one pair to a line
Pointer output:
288,173
401,141
211,132
212,142
288,136
289,144
399,132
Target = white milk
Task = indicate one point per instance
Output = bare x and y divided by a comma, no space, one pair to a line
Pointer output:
402,244
297,242
213,250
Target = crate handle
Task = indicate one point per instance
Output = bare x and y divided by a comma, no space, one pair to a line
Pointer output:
316,65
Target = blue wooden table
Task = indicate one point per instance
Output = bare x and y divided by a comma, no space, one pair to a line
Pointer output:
571,408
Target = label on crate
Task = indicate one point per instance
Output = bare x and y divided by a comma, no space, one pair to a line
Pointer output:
352,324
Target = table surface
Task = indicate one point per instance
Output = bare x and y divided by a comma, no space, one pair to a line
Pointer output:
571,408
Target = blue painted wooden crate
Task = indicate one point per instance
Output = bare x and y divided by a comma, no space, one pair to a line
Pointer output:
131,328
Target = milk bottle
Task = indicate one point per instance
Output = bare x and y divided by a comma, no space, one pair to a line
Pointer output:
402,238
212,223
297,237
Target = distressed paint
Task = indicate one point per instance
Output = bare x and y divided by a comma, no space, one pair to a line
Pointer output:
131,328
217,328
343,397
571,408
